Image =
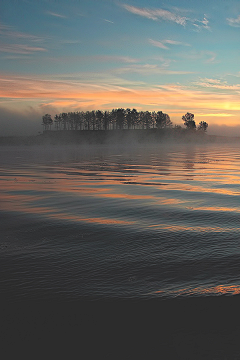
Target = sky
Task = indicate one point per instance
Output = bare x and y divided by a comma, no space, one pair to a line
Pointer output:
77,55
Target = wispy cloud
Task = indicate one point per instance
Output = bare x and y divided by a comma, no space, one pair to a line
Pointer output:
56,14
20,49
173,42
148,69
156,14
161,44
9,31
234,22
217,84
162,14
109,21
200,24
208,57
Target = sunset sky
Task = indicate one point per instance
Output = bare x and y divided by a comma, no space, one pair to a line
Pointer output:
174,56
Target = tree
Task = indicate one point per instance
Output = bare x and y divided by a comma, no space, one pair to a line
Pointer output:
106,120
47,121
162,120
120,117
203,126
57,121
189,122
99,119
129,118
147,119
64,117
134,117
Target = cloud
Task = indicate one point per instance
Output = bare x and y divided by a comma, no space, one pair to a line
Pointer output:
56,14
209,57
148,69
158,44
173,42
156,14
105,94
109,21
161,43
20,49
234,22
8,31
161,14
217,84
200,24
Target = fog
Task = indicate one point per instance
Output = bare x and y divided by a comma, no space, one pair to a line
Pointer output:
28,122
14,123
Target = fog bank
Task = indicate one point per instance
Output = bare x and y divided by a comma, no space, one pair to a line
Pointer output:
28,122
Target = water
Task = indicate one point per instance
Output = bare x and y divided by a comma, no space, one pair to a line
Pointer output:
119,222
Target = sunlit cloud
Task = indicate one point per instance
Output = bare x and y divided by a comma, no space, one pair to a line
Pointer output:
70,93
106,96
234,22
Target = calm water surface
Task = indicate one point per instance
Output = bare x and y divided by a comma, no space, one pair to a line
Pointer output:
119,222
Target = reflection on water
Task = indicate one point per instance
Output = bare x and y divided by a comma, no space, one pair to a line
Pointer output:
167,217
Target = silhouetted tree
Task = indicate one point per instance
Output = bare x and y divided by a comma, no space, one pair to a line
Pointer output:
134,116
120,117
47,121
64,117
189,122
203,126
129,118
99,119
162,120
57,121
106,120
114,119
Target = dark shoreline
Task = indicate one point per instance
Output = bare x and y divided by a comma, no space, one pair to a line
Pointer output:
132,136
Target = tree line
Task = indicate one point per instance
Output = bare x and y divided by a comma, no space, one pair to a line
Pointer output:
117,119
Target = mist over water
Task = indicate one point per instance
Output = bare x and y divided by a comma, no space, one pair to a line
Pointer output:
119,221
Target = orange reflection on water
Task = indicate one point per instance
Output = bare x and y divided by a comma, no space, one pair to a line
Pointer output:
10,203
212,290
198,229
216,208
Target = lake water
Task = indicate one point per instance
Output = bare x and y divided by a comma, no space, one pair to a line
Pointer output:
118,222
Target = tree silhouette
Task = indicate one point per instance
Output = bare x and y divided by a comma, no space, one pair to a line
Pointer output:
118,119
47,121
203,126
189,122
162,120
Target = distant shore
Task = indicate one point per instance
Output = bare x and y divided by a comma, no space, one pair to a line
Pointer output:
125,136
